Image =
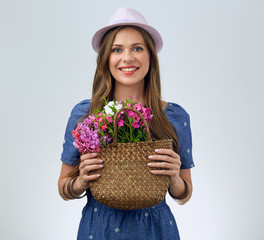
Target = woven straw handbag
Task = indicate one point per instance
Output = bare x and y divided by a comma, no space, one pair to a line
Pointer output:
126,181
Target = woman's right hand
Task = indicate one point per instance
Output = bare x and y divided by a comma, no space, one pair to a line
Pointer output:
88,163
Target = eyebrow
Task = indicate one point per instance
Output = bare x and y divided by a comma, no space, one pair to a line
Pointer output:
134,44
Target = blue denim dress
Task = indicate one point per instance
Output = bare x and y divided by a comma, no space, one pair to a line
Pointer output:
100,222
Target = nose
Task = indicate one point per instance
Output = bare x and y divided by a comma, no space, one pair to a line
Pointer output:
128,56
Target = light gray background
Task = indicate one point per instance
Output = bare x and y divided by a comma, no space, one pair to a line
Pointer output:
211,64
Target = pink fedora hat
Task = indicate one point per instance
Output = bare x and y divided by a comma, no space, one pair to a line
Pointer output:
131,17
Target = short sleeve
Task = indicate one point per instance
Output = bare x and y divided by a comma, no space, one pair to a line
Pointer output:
70,155
180,120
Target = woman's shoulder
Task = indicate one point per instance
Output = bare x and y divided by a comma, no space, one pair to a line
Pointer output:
81,108
177,115
176,112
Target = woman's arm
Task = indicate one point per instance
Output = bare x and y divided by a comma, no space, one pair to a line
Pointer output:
180,187
66,169
180,190
81,184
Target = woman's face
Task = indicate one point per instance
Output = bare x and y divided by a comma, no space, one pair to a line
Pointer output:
129,59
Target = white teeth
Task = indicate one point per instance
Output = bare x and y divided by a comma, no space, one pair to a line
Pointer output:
128,69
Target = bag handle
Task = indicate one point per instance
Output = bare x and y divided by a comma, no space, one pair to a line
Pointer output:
141,117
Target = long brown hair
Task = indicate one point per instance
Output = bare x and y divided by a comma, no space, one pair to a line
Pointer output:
104,83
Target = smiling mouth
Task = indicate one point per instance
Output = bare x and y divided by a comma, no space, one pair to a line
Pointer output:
128,69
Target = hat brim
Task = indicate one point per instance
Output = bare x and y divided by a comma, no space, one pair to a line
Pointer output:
97,38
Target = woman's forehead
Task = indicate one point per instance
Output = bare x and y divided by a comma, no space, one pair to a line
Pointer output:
128,35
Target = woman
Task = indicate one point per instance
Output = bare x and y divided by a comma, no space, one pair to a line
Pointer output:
127,65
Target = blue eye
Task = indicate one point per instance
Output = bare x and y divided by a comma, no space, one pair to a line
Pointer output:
116,50
137,49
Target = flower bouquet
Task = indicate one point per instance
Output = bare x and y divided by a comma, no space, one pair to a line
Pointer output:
121,136
97,129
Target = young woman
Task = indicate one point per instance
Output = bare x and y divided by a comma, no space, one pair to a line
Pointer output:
127,65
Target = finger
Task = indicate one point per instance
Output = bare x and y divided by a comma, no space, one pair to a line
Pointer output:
165,165
165,172
89,168
88,156
90,162
89,178
167,152
165,158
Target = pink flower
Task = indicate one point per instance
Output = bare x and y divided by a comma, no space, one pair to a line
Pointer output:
130,113
96,124
109,119
86,137
75,133
146,114
136,118
135,125
137,107
91,119
120,123
99,119
119,115
104,127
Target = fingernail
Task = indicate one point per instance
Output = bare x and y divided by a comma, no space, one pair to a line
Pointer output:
157,150
94,154
98,175
100,160
150,156
149,164
101,165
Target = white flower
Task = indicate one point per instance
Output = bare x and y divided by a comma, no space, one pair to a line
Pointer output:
108,110
110,105
118,106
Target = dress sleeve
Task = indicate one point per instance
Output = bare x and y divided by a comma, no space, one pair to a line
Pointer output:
70,155
180,120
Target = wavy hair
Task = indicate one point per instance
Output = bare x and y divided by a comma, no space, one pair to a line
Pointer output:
104,84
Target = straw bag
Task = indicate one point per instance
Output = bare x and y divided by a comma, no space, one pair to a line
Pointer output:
126,181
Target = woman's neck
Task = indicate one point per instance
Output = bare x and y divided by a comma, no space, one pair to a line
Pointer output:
121,93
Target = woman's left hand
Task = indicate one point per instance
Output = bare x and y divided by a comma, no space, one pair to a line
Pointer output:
167,159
